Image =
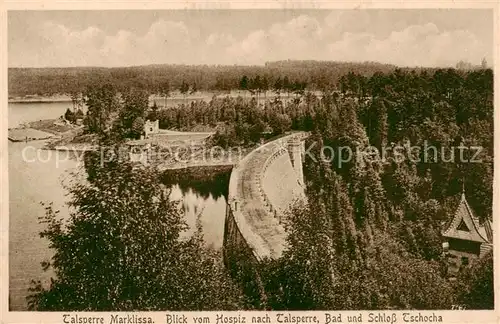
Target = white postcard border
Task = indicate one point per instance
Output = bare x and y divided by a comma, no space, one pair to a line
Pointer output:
448,316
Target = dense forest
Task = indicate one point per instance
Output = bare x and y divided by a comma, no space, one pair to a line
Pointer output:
369,237
379,221
156,79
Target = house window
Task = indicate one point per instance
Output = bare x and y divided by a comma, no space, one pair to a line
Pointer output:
465,261
463,226
150,129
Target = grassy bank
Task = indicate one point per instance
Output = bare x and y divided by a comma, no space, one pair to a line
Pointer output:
50,126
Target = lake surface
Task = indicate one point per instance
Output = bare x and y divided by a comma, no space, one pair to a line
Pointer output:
28,112
37,176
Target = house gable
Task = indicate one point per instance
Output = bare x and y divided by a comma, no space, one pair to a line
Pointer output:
465,226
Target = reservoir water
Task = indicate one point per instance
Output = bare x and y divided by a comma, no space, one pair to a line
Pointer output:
27,112
37,176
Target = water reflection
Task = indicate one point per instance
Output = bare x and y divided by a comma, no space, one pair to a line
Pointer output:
205,181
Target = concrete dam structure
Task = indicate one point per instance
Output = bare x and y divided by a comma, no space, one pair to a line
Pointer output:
262,187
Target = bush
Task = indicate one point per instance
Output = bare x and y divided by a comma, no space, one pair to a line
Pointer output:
70,116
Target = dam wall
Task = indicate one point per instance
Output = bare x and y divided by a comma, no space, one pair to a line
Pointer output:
281,183
261,188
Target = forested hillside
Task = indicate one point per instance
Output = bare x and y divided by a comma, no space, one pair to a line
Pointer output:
156,78
370,235
376,218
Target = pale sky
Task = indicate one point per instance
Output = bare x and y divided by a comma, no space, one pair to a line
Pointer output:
427,37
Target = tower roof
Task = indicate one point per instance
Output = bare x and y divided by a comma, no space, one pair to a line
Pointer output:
465,225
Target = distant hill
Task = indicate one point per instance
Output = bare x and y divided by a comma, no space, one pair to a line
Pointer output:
308,64
53,81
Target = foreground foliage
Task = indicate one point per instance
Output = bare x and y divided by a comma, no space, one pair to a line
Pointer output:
122,249
475,285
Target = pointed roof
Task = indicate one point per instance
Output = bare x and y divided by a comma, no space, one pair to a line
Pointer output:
465,225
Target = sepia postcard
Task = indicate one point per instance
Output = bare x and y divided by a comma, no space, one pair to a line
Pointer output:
221,163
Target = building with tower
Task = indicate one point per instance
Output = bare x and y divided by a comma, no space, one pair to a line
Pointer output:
151,127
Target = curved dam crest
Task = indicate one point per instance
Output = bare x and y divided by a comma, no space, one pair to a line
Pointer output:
262,187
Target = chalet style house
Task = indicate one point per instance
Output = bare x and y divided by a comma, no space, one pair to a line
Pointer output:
465,239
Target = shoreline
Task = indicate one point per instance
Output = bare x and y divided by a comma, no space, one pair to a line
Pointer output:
68,99
39,100
199,96
48,129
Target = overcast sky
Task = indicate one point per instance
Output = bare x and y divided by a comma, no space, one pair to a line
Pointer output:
122,38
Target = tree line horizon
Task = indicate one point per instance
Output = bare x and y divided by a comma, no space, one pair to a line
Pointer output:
280,75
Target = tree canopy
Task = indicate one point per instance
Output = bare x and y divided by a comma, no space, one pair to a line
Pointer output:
123,249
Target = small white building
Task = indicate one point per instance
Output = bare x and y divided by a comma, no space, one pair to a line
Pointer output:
151,127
